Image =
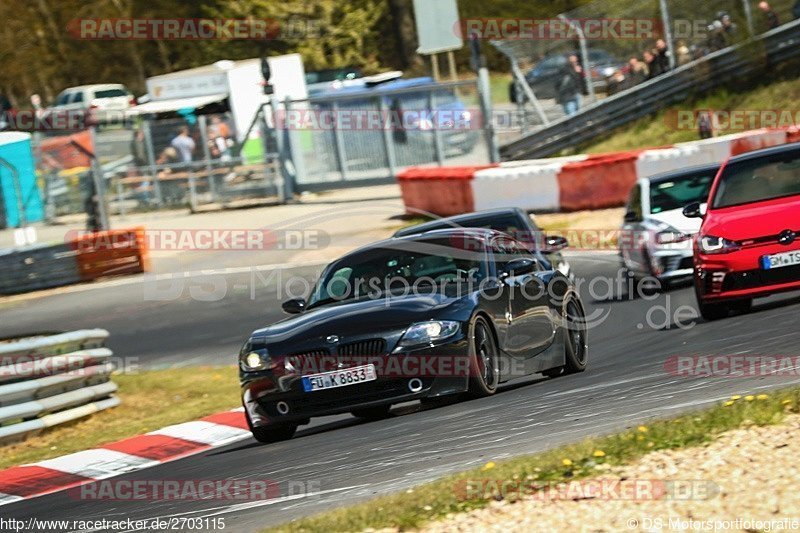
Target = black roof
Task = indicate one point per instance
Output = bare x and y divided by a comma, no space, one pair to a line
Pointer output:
456,222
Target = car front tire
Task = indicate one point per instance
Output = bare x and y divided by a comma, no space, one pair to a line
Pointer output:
272,433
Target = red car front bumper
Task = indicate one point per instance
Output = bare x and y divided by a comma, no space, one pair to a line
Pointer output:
740,274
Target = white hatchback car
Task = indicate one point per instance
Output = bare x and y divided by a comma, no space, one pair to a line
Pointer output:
656,238
104,103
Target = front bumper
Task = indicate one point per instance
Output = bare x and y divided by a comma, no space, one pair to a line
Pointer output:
267,395
739,275
669,264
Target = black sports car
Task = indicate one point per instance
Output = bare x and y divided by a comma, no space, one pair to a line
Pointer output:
420,317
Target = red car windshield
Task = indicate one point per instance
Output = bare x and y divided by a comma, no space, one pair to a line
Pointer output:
758,180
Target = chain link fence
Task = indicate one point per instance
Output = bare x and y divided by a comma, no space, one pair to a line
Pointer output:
617,46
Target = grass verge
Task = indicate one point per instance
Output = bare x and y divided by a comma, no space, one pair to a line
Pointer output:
659,129
150,401
438,499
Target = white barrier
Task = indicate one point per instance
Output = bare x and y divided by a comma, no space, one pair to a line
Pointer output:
48,380
531,187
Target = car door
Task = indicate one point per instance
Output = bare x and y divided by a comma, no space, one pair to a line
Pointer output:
632,231
528,316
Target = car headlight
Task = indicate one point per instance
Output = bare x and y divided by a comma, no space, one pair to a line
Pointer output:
423,333
670,236
254,361
710,244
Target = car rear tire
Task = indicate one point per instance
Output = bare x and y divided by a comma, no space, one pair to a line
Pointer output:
484,364
372,413
576,345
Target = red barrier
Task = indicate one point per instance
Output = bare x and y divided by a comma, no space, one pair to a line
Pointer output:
60,153
756,140
443,191
601,181
792,134
111,253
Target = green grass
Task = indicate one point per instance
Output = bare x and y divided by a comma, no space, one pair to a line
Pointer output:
150,401
436,500
656,130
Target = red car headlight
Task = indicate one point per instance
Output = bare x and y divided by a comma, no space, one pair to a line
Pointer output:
710,244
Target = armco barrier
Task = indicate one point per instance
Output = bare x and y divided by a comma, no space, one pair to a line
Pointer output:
82,258
442,191
570,183
49,380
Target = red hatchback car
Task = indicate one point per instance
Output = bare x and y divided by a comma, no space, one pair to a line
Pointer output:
749,243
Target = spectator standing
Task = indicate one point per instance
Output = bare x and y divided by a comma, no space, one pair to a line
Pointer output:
662,54
637,71
682,53
653,66
772,18
184,145
569,86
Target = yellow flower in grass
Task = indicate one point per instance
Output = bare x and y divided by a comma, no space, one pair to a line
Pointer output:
642,429
489,465
734,398
749,398
786,402
762,397
728,403
566,462
599,453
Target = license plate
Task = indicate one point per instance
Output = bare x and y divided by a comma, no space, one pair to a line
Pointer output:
785,259
339,378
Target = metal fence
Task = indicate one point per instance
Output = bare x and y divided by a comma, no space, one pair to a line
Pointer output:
143,168
712,70
46,380
690,29
357,139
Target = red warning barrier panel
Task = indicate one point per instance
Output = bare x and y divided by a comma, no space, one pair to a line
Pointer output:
442,191
600,181
62,153
111,253
758,139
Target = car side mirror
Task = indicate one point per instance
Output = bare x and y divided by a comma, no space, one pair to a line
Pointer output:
294,307
519,267
630,216
693,210
554,243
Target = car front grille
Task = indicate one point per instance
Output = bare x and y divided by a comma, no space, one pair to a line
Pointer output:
364,348
752,279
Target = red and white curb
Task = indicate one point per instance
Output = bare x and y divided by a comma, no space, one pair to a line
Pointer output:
129,455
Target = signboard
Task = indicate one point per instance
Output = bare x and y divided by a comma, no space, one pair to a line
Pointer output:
173,86
438,26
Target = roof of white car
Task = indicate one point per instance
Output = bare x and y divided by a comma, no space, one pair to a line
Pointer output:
96,86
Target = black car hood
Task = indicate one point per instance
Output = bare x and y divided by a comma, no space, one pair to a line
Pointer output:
364,317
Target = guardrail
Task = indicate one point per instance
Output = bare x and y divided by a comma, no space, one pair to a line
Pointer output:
713,70
53,379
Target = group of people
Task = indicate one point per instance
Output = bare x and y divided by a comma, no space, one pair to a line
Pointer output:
658,59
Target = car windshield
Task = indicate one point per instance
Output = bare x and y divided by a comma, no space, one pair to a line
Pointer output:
440,265
509,224
675,193
758,180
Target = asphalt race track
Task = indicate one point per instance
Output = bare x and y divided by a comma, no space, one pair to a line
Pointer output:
348,460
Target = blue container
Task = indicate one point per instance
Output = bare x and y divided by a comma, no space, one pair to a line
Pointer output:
15,149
